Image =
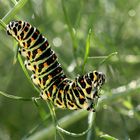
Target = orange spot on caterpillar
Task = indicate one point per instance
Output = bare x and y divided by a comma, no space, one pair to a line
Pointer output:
39,51
74,88
81,97
49,95
45,64
49,76
36,70
54,86
32,39
61,91
25,46
54,89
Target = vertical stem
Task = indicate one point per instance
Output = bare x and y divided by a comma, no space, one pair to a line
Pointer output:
14,10
3,24
71,31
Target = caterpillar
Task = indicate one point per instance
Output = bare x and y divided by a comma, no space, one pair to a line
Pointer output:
48,75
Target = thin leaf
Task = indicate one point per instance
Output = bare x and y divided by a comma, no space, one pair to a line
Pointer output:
91,119
69,26
13,11
41,109
14,1
34,129
87,49
64,122
107,137
14,97
108,57
103,57
3,25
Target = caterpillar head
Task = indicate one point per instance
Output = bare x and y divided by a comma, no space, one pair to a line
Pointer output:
99,79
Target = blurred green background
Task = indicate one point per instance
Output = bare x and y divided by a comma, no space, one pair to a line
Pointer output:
115,27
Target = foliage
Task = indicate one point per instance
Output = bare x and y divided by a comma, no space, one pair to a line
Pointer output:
86,35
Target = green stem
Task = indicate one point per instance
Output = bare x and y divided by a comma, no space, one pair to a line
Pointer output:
3,25
14,10
87,49
71,31
64,122
103,57
108,57
14,1
34,129
14,97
